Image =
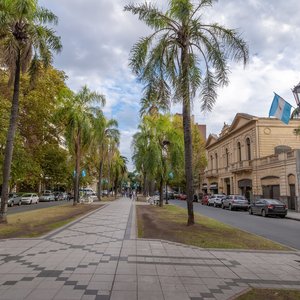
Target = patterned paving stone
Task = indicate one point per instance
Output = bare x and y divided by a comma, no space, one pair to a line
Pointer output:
98,257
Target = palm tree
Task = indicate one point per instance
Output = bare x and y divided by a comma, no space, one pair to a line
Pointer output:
105,132
153,101
24,40
78,117
157,149
182,44
119,169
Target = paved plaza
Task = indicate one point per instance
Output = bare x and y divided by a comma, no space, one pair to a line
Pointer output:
99,257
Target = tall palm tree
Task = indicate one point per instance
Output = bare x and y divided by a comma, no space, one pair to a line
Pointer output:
119,169
105,132
78,117
24,40
157,149
154,101
183,43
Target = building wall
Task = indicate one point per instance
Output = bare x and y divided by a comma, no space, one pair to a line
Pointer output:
264,169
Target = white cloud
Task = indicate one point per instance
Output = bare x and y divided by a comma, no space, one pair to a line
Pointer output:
97,36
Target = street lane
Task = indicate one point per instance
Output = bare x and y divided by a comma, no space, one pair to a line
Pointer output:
17,209
284,231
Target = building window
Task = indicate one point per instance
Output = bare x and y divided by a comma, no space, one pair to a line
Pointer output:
227,157
248,144
239,152
216,157
212,162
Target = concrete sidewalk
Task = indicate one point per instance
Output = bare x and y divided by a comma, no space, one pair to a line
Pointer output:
99,257
293,215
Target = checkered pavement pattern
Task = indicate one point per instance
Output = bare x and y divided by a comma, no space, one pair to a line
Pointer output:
99,257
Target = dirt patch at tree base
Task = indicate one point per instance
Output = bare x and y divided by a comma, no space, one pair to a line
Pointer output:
170,223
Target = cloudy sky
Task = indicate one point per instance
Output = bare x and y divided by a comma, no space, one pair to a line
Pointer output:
97,36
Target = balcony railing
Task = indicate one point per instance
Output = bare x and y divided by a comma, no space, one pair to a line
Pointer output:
245,165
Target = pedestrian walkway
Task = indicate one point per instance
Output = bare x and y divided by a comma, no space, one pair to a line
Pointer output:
293,215
99,257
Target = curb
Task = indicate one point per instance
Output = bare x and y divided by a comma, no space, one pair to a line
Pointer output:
292,218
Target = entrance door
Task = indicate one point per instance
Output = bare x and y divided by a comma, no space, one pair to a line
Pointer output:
271,191
291,199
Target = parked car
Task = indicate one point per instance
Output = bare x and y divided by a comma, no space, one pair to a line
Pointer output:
105,193
268,207
47,196
14,199
233,202
182,196
58,196
30,198
204,200
210,200
217,200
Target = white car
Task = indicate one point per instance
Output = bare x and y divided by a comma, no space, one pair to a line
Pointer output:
47,196
30,198
217,200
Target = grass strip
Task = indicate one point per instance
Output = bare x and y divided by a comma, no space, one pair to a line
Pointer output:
169,223
41,221
270,294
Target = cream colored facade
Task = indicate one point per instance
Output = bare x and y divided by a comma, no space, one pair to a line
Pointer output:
255,157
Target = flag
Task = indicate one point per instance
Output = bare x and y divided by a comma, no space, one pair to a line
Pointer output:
280,109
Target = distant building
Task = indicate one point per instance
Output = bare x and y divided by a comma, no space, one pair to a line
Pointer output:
256,157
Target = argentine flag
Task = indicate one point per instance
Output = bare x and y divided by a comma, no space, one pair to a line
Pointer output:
280,109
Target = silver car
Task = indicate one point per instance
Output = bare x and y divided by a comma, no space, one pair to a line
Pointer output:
47,196
14,199
217,200
233,202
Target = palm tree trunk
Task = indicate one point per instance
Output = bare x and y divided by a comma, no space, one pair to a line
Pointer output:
10,141
161,186
100,179
144,184
77,170
188,151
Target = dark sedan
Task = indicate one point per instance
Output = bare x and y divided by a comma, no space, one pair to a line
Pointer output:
268,207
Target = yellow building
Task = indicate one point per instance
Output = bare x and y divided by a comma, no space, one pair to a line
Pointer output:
256,157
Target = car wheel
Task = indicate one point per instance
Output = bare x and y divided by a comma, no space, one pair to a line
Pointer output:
20,203
223,206
230,207
30,202
12,204
250,211
215,205
263,213
282,216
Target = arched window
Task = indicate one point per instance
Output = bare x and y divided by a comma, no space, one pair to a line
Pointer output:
248,147
216,157
227,157
239,151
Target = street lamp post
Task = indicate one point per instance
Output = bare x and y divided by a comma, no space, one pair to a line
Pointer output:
296,92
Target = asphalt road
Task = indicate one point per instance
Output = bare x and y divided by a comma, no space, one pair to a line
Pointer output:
26,207
284,231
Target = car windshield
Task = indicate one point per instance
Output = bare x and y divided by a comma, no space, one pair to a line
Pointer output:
240,198
27,195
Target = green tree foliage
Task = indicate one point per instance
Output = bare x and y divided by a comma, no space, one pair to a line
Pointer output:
78,119
24,42
158,149
182,55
